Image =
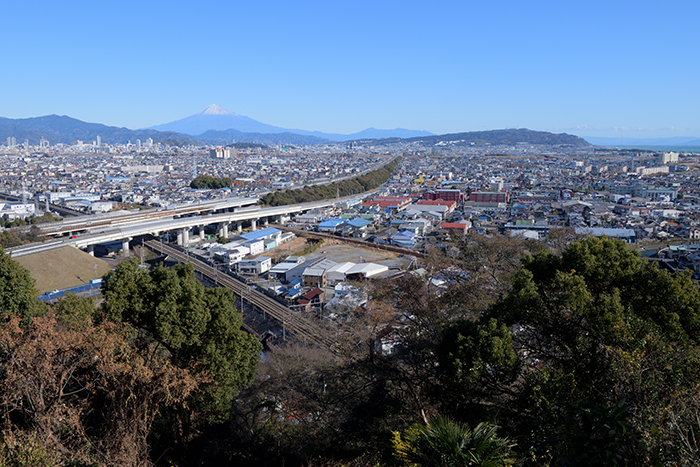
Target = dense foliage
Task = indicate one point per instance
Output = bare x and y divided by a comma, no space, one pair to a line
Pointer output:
17,294
582,355
131,382
210,183
82,395
23,235
199,327
593,327
500,351
356,185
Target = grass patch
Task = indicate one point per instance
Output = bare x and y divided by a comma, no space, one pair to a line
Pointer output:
62,268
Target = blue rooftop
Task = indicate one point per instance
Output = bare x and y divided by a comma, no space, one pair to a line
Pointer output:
262,233
332,223
359,222
404,233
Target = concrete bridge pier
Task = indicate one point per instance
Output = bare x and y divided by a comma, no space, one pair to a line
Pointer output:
186,236
179,238
201,232
91,250
239,226
266,222
125,246
253,224
223,229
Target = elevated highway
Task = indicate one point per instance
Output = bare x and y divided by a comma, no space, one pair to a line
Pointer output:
125,228
85,224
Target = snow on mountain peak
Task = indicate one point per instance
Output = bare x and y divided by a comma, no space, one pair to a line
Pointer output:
216,110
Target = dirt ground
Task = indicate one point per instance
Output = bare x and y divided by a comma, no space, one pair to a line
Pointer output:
334,250
341,252
295,247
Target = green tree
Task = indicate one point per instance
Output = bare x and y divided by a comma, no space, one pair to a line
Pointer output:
17,293
475,361
199,327
443,442
591,435
209,182
75,312
594,325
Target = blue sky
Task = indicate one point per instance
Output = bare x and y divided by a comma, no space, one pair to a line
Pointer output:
593,68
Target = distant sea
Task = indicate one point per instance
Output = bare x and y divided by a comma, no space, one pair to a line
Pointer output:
693,149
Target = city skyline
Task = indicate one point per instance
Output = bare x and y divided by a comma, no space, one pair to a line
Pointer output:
619,69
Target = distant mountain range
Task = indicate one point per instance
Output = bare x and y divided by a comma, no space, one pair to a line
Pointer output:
67,130
218,118
502,137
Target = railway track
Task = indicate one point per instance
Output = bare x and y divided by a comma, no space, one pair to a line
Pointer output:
298,325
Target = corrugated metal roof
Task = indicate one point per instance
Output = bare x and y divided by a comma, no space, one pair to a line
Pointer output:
358,222
266,232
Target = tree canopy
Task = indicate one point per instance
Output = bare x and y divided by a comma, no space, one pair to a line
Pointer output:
199,327
595,325
356,185
499,351
17,293
209,182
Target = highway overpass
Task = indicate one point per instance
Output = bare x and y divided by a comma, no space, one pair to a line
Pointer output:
88,233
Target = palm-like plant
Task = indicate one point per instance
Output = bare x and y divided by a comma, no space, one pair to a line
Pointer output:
443,442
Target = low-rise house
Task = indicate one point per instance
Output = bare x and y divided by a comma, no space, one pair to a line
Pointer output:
266,234
356,228
315,275
421,226
456,228
296,273
256,246
255,266
404,239
626,235
331,225
16,210
313,297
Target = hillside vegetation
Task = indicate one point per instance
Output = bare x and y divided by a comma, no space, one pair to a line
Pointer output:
499,352
356,185
507,137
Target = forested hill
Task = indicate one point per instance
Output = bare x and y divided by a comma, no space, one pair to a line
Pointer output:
67,130
361,184
495,137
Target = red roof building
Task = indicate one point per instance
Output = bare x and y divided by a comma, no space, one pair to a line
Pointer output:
444,194
489,197
455,227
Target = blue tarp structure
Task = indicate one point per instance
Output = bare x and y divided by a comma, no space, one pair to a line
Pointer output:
84,290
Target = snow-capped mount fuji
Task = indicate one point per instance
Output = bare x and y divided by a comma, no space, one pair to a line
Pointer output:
217,110
218,118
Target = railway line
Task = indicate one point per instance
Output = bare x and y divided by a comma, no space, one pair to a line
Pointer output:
294,323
